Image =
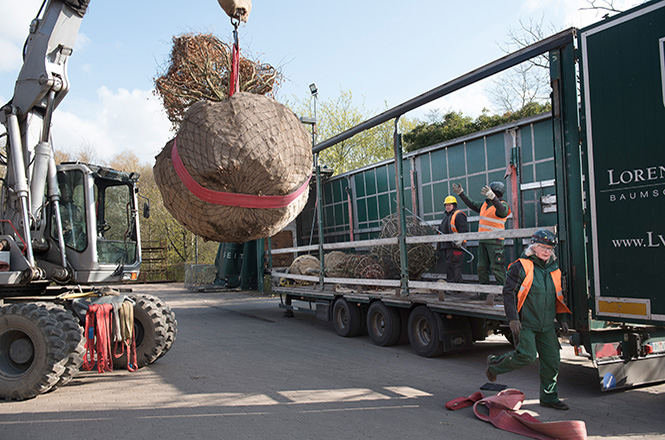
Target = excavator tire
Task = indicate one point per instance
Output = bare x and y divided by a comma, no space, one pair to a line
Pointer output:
74,340
150,330
32,351
171,326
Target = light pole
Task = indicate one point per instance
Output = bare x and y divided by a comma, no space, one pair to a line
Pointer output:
315,94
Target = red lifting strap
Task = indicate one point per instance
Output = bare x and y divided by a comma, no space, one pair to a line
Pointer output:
231,199
234,75
502,414
98,329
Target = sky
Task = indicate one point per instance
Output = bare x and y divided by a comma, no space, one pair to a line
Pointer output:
383,52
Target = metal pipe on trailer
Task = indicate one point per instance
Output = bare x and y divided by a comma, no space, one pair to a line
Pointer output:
401,239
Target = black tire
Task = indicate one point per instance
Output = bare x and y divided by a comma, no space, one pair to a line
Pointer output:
424,333
383,324
150,330
171,326
347,318
32,351
74,342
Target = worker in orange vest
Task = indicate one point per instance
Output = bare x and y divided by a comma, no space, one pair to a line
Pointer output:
493,214
454,221
533,299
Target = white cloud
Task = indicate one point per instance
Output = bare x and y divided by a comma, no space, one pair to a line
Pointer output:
14,27
116,122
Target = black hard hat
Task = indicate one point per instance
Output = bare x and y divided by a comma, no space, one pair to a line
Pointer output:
498,188
543,236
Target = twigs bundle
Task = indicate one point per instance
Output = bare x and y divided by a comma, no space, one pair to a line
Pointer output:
199,68
421,256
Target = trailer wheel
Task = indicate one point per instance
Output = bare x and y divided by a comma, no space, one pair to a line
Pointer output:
150,330
32,351
383,324
347,318
424,332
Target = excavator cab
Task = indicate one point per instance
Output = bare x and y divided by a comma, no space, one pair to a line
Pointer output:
100,227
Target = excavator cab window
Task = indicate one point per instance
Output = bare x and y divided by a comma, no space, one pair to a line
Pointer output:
73,210
116,224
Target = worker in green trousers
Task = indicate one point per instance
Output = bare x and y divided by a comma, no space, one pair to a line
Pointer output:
533,299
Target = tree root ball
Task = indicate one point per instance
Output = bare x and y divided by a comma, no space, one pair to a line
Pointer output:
247,144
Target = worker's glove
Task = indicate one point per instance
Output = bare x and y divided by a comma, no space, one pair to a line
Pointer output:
458,243
457,188
515,327
564,328
487,192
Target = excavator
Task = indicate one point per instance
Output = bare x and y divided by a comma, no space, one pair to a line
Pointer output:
65,229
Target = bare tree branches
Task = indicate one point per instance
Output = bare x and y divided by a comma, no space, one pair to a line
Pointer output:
199,68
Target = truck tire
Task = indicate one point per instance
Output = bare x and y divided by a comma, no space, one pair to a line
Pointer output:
150,330
383,324
424,332
32,351
347,318
74,342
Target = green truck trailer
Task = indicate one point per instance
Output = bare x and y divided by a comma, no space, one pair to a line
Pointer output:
592,170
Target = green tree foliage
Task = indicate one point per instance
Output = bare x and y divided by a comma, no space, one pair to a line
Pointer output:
454,125
339,114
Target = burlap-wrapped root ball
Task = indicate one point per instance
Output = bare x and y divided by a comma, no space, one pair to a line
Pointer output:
248,144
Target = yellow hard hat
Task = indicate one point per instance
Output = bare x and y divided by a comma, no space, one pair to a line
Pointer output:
450,199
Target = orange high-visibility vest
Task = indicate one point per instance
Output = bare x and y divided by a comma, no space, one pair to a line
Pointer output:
489,221
452,223
528,280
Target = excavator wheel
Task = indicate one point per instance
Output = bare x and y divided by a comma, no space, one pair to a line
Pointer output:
74,340
150,330
32,351
171,326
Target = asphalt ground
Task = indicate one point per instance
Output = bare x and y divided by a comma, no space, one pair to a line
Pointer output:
239,369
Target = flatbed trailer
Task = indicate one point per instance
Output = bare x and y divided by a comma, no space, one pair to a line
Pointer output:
592,171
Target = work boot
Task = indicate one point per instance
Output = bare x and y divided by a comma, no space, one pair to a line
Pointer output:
491,360
556,405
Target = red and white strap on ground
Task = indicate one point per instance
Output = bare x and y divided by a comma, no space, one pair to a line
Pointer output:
502,414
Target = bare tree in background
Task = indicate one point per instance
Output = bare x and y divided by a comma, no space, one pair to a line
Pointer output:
603,5
527,82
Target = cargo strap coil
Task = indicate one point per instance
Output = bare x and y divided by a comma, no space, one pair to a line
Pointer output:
231,199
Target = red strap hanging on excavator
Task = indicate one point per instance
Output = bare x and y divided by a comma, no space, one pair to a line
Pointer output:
98,338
